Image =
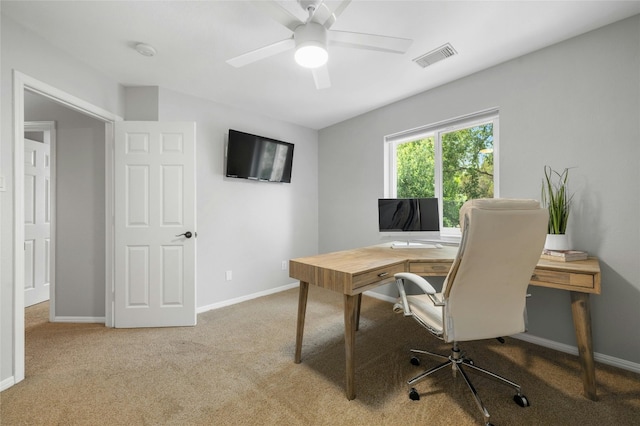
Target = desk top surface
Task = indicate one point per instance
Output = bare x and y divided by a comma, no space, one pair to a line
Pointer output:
367,258
363,259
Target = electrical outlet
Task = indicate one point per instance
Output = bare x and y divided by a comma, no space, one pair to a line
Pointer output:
229,275
284,265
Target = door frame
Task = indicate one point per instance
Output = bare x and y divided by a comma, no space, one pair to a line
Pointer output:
50,128
22,82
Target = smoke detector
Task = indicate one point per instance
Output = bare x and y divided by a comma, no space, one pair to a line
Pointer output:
145,49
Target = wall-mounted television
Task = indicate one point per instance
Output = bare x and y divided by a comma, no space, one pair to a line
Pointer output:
409,218
258,158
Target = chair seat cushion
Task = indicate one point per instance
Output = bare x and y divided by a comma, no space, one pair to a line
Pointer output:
426,312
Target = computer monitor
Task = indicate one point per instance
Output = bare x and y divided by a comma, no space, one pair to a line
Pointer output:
409,219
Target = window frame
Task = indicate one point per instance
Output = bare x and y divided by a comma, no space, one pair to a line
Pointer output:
437,130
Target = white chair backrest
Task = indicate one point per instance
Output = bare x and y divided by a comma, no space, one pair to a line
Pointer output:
486,288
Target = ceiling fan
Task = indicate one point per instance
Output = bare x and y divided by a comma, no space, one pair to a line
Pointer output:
310,38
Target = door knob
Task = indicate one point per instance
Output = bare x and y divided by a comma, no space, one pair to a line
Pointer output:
187,234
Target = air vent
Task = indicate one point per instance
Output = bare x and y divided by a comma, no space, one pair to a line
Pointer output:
442,52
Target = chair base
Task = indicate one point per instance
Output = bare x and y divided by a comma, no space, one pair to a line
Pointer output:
457,361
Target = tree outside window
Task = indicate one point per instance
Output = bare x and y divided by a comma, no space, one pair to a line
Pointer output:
454,164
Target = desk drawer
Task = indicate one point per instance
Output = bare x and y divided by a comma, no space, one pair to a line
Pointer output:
377,276
566,280
437,269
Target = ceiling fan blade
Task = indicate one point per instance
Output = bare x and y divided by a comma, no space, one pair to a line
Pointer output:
262,53
321,77
369,41
278,13
336,13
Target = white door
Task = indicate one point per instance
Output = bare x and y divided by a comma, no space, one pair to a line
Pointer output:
37,221
154,241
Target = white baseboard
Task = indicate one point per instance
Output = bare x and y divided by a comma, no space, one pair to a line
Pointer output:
7,383
230,302
382,297
605,359
88,320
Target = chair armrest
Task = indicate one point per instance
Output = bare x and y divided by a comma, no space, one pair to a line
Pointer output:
417,280
403,306
437,301
420,282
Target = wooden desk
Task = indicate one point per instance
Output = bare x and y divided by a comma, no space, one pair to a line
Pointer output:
351,272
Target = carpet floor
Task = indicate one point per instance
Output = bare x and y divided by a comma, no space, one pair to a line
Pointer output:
236,368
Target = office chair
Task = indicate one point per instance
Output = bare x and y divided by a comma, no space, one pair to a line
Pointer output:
483,296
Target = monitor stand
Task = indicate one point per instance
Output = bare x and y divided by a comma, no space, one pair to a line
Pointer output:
410,245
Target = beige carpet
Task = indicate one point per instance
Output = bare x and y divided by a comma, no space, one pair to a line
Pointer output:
236,368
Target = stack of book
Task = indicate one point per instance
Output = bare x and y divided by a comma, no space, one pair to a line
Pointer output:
564,255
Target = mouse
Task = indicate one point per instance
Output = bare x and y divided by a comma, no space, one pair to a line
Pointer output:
438,245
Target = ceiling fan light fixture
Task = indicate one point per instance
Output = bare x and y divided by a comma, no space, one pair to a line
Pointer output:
311,45
311,55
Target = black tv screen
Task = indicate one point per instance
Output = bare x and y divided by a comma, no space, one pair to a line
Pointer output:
258,158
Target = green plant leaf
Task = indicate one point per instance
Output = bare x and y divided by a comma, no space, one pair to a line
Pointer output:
556,197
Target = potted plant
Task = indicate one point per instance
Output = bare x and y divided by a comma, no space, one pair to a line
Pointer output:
556,197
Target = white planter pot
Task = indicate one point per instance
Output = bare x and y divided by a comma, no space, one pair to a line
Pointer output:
557,242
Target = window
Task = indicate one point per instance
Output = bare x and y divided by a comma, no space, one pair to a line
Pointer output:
453,161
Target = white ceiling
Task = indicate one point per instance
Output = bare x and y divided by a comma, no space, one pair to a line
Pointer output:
194,39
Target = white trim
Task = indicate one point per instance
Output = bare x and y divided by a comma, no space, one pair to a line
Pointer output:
84,320
22,82
18,227
496,157
109,218
50,128
573,350
230,302
381,296
450,124
7,383
66,99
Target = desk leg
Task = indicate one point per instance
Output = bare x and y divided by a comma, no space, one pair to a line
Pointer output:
302,310
581,310
359,304
351,304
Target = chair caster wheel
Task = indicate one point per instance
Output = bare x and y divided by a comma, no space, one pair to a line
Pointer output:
521,400
415,360
414,395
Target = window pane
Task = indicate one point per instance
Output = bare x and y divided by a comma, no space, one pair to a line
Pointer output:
415,168
467,169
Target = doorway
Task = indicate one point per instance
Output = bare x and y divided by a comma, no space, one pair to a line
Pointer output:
22,83
77,215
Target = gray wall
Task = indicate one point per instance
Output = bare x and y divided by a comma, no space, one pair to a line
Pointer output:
245,226
574,104
141,103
